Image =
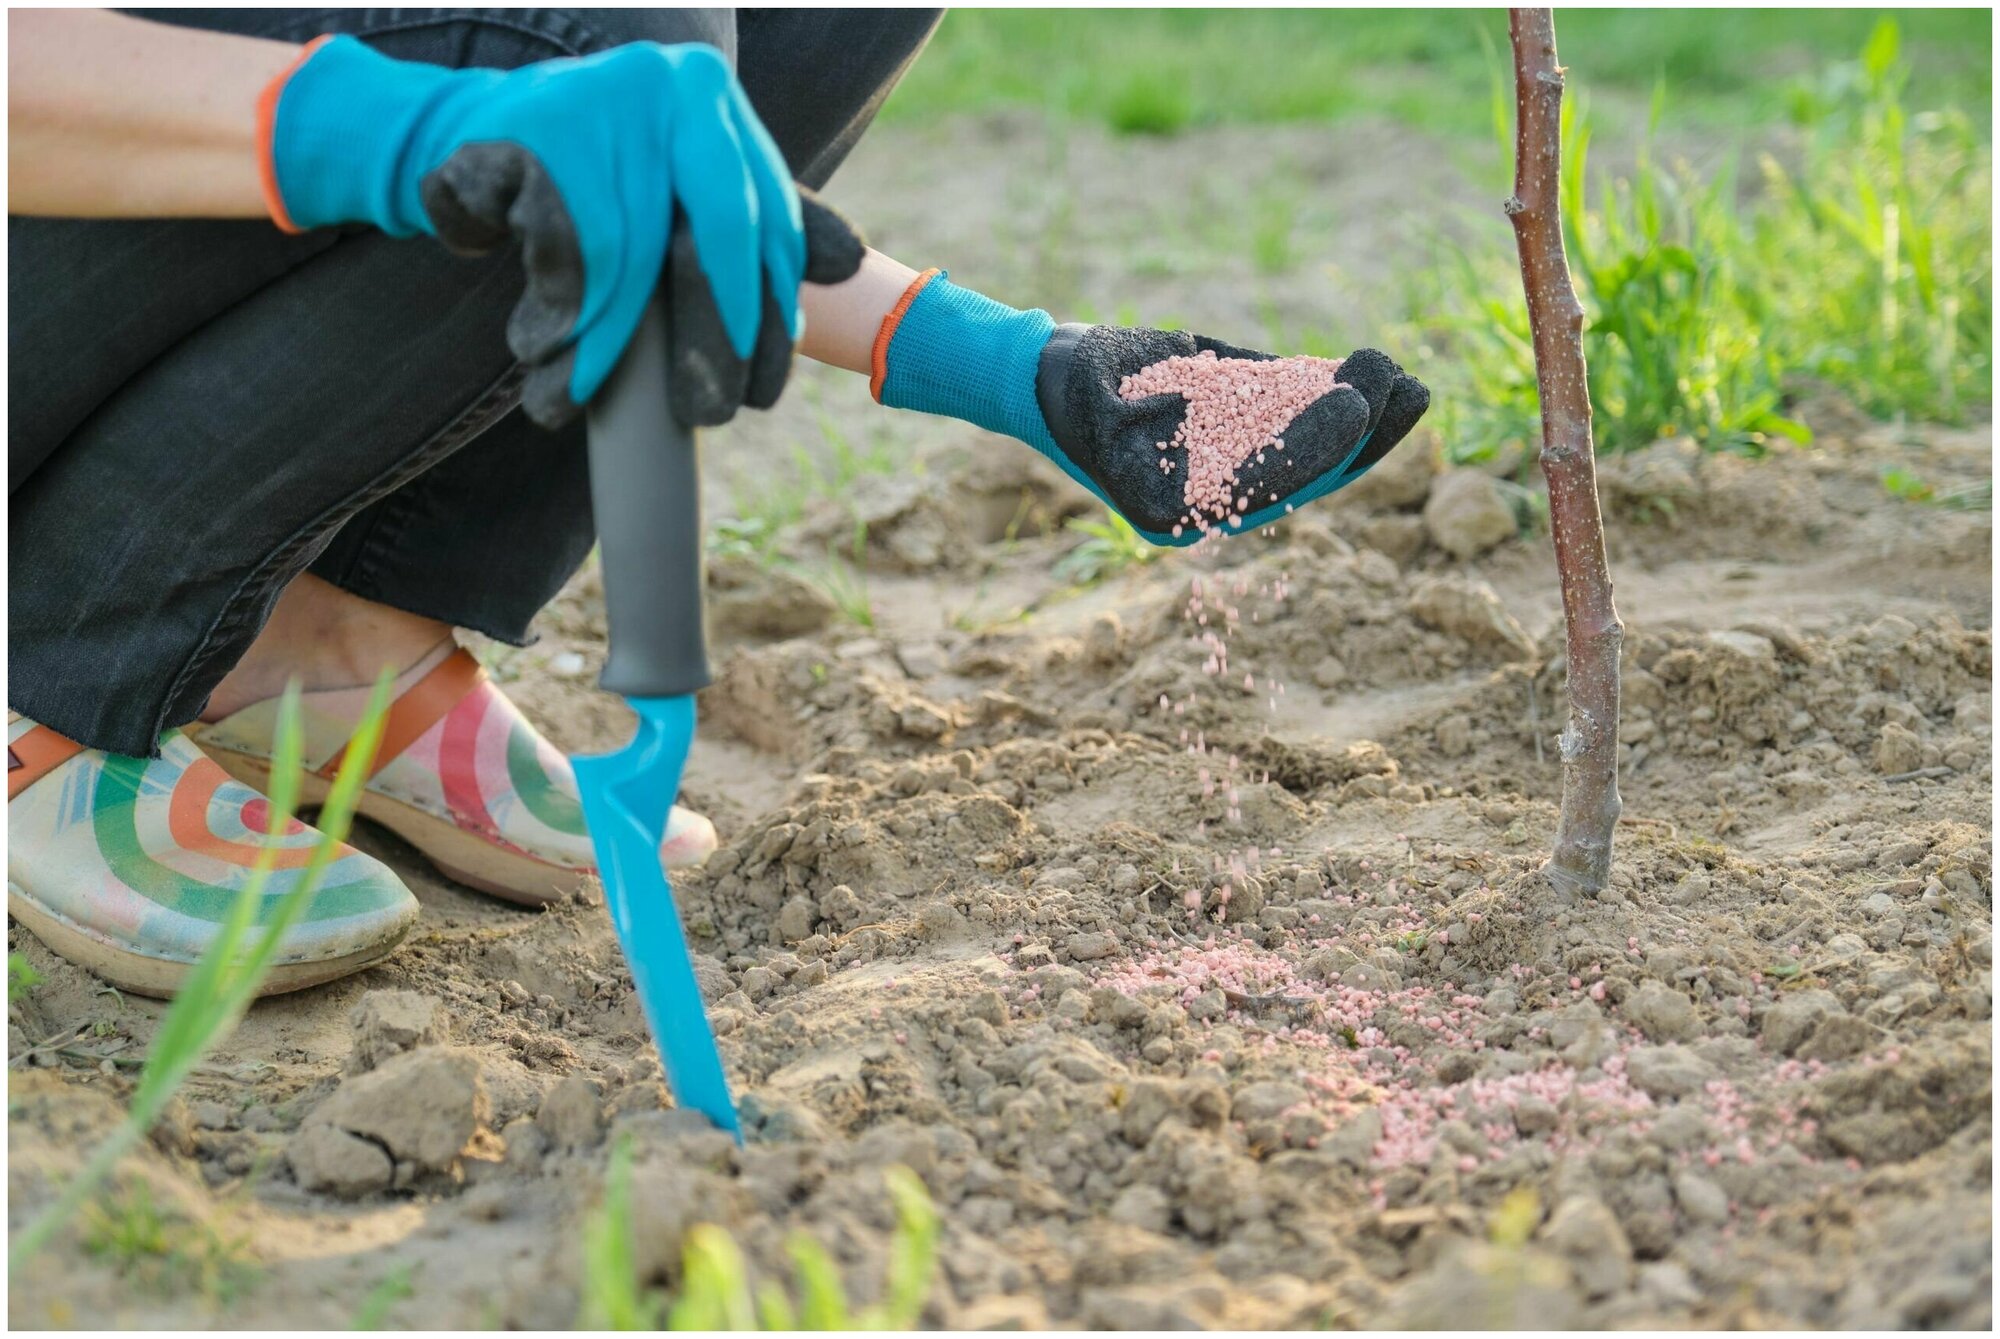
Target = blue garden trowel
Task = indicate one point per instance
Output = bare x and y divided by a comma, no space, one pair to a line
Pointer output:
645,490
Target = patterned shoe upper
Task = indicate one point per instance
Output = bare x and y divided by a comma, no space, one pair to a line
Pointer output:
147,854
477,762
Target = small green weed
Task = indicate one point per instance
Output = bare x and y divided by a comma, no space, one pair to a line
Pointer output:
1911,487
1907,486
21,977
613,1298
1271,248
397,1284
225,981
764,513
716,1292
845,461
1150,102
127,1228
845,582
1110,546
754,537
158,1248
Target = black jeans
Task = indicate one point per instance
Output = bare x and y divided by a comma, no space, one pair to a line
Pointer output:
203,410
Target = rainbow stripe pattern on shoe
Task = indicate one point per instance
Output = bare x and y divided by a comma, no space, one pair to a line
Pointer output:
461,775
127,866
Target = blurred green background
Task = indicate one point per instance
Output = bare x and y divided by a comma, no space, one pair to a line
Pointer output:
1761,205
1162,70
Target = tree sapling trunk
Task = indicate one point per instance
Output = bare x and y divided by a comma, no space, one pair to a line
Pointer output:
1589,741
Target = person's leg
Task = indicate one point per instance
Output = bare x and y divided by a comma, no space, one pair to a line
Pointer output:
324,638
197,407
91,302
486,538
818,76
149,548
163,501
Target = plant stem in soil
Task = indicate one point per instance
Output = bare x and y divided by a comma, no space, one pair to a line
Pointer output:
1581,862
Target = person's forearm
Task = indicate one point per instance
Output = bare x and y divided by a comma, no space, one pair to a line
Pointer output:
116,117
842,320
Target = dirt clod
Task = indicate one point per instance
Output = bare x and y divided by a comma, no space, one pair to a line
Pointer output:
329,1160
1796,1016
1587,1234
1466,514
389,1022
572,1114
422,1107
1667,1071
1661,1012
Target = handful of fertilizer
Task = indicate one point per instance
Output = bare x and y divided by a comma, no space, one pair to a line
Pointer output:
1189,437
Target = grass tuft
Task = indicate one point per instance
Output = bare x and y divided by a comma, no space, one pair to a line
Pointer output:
764,514
22,978
845,580
1868,268
393,1287
1150,102
1110,546
155,1247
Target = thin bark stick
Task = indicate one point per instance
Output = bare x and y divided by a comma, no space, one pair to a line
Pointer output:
1581,862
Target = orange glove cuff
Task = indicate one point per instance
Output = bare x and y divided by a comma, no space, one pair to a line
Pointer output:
267,122
878,358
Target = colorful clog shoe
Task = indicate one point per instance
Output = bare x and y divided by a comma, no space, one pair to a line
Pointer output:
460,774
127,866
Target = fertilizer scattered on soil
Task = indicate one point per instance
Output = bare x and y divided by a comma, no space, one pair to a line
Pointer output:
1236,409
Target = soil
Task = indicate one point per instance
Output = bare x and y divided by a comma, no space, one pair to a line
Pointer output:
1197,1000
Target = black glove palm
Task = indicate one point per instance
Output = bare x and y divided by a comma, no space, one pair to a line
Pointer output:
1113,444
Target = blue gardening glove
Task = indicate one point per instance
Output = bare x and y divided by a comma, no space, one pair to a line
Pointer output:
603,167
948,350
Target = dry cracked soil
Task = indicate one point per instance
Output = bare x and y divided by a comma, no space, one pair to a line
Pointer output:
1196,999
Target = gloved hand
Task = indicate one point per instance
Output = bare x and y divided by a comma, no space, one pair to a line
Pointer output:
1092,399
604,167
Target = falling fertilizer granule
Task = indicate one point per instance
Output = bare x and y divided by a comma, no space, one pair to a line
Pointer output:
1236,409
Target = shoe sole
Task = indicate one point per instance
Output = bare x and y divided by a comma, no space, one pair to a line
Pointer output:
160,978
457,854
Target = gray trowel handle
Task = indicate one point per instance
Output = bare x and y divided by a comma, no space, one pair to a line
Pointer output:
645,487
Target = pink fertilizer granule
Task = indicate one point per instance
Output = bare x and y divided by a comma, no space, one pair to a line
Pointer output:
1236,409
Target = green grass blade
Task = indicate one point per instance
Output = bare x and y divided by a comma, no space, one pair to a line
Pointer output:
822,1299
197,1010
912,1251
394,1287
774,1309
715,1288
612,1299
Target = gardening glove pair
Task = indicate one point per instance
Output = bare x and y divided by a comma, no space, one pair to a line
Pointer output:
635,169
1089,398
